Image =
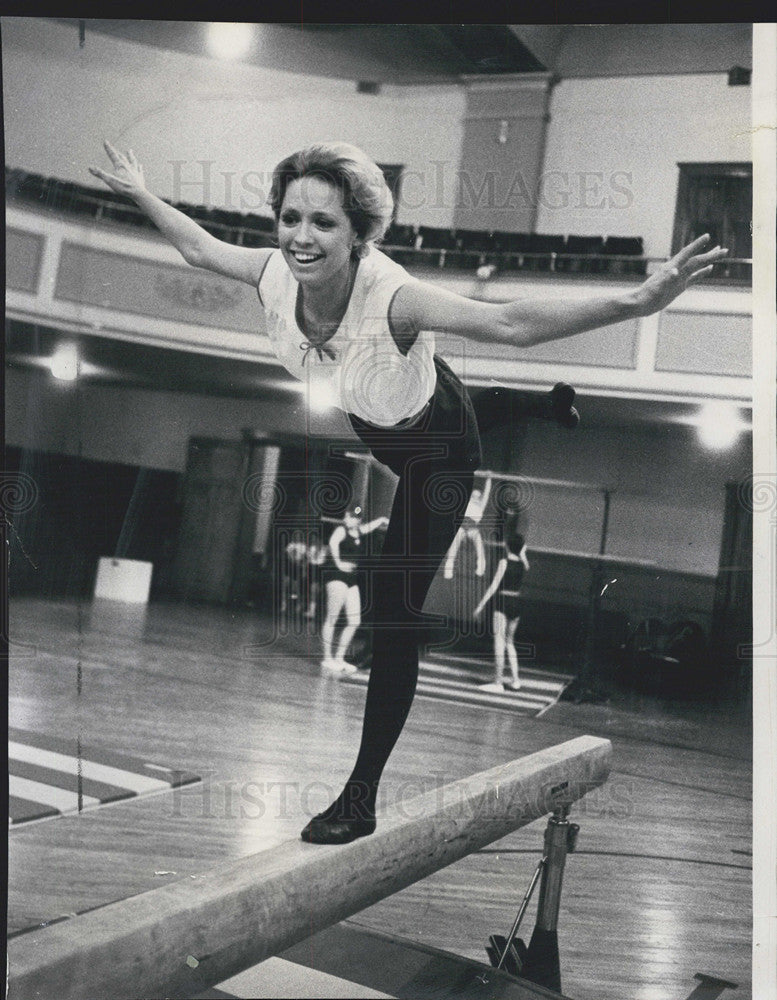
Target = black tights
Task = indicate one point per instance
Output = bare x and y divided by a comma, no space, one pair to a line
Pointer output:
436,464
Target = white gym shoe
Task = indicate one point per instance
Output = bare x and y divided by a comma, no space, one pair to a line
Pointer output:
344,667
514,685
493,686
328,663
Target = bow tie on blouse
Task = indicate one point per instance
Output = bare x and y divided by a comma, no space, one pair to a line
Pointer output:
321,349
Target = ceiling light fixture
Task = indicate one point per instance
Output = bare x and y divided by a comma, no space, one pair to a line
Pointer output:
64,363
230,39
719,425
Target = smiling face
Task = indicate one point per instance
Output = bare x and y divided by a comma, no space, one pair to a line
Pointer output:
315,235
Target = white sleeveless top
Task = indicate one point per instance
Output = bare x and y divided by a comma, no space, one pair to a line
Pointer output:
360,369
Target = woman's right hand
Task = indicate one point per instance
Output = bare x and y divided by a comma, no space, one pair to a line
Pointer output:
127,177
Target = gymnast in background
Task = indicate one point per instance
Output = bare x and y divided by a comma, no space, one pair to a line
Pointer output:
506,585
300,575
316,557
293,574
470,529
343,580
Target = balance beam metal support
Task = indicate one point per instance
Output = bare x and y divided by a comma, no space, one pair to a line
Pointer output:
184,937
556,844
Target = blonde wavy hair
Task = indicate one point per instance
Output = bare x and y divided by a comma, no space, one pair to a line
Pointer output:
367,200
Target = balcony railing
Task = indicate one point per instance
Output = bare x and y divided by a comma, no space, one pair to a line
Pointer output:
483,253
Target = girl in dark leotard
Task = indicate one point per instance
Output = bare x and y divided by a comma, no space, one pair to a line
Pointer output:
349,321
342,577
506,585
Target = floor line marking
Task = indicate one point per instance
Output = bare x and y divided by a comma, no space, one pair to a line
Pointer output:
137,783
47,795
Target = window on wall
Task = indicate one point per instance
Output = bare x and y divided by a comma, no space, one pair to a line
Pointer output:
717,198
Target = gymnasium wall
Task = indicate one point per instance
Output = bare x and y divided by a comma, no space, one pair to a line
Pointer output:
147,428
668,493
175,110
613,146
210,131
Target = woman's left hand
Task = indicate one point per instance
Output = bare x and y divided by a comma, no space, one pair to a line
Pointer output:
672,278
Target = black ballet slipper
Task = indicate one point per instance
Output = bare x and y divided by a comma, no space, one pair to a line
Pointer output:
501,407
323,829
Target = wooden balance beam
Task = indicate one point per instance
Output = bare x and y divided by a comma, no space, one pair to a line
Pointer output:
184,937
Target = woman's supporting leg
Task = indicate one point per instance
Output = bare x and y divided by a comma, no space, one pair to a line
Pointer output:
429,505
436,465
353,616
428,508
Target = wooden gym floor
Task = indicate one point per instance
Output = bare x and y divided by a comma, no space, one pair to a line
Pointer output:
658,891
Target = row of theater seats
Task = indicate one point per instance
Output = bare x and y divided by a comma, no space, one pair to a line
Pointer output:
517,251
462,248
413,245
101,204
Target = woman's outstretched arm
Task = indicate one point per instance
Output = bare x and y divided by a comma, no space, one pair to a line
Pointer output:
196,246
422,306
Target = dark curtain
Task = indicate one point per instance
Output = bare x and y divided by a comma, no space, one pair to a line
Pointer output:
733,609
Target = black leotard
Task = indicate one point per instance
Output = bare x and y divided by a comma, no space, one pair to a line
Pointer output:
351,551
510,587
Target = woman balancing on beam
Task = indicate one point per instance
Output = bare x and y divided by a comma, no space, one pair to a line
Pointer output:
339,310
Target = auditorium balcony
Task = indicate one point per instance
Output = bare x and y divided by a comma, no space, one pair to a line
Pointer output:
87,261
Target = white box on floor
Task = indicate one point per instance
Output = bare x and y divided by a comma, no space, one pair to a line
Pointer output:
123,580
